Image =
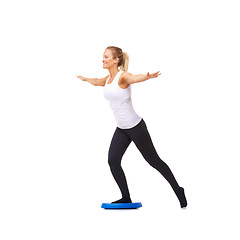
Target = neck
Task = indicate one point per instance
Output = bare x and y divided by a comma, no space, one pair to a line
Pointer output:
113,71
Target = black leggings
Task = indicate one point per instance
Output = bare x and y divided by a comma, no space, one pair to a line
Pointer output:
140,136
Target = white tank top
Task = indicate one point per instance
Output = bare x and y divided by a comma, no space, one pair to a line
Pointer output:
121,103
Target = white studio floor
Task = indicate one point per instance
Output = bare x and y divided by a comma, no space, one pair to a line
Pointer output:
55,130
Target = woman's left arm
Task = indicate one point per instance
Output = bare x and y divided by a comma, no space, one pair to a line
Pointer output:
130,78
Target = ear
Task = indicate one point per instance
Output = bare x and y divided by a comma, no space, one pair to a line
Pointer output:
116,60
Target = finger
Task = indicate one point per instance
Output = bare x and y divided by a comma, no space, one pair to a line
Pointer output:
155,74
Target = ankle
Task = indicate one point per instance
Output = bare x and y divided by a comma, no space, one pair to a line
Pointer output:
125,199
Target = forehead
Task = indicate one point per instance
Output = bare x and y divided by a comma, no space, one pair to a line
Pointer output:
108,52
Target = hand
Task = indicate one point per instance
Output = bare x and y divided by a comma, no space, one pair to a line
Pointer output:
82,78
153,75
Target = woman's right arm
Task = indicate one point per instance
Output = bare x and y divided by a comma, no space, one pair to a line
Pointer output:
95,81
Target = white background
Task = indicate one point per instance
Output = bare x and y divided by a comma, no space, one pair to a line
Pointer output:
55,129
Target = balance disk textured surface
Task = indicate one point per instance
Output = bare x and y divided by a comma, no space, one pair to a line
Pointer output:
121,205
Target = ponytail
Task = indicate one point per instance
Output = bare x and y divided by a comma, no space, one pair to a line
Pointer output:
122,56
124,65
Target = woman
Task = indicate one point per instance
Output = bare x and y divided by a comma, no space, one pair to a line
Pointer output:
130,126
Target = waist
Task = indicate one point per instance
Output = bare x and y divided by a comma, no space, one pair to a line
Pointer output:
126,118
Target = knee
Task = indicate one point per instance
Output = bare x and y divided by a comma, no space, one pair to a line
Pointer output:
114,161
154,161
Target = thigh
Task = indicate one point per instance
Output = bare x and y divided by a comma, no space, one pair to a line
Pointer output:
143,141
118,146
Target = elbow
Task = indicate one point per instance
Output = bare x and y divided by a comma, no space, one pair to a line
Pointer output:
95,82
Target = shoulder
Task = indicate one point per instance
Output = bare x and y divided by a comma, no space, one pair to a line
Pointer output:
105,78
125,76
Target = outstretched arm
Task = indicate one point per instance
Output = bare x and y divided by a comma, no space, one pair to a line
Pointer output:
95,81
130,78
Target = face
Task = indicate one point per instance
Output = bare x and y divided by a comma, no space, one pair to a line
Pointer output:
108,60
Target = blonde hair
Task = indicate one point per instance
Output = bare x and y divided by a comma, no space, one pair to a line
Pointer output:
122,56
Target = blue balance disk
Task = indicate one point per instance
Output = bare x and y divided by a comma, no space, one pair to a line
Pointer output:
121,205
